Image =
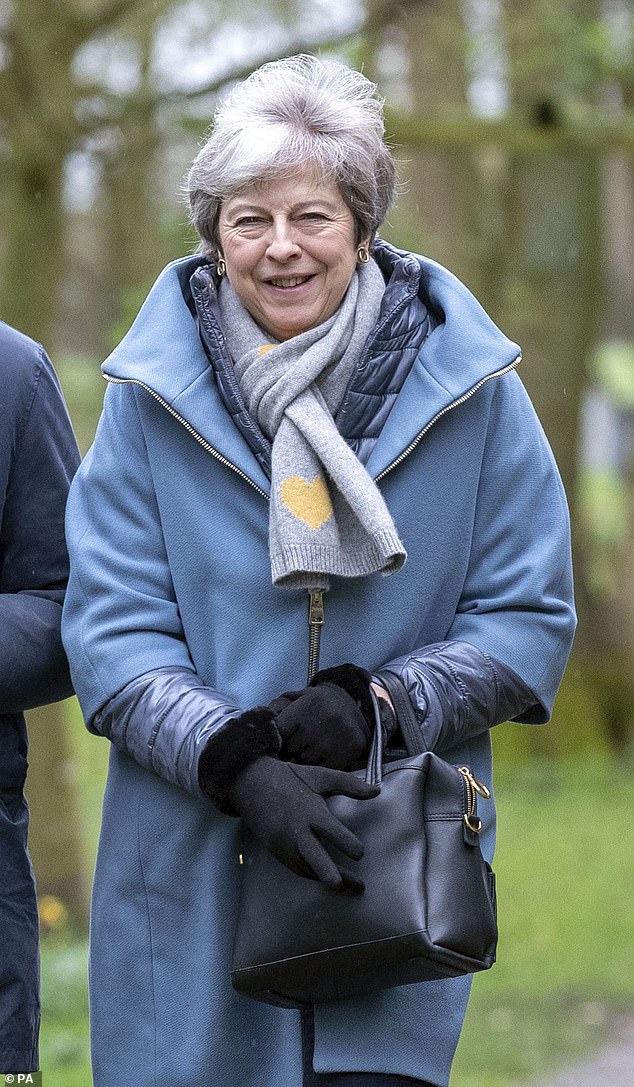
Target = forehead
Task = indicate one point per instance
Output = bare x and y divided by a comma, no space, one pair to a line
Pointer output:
286,193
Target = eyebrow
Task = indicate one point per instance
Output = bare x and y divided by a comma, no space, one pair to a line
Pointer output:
248,205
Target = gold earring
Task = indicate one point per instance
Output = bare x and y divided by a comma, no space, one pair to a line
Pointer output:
221,267
363,254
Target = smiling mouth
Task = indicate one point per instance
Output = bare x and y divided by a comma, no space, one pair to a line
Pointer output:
288,281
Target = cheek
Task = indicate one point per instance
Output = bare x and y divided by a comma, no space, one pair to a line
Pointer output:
343,271
239,271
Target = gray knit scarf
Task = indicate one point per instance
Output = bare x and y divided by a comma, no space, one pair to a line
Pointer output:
327,515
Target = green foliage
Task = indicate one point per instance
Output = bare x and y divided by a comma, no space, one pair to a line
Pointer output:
562,48
576,730
614,368
83,386
64,1047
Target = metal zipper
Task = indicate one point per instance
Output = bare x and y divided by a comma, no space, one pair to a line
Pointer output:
188,427
315,598
449,407
474,788
316,620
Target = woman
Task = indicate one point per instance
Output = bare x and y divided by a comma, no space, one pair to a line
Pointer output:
314,450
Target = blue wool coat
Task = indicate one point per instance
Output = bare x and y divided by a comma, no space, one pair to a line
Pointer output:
167,527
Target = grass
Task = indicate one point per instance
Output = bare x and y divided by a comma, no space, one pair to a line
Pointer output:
64,1048
566,954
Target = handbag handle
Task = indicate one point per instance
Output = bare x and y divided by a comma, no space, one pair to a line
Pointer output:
407,720
410,729
374,769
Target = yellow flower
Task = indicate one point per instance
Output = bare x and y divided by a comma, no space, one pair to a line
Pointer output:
53,913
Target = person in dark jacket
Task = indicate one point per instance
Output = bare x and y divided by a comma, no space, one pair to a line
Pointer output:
38,457
317,474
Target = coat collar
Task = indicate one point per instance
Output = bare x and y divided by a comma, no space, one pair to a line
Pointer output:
163,352
464,350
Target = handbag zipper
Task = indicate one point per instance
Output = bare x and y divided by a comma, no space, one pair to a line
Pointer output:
316,620
474,788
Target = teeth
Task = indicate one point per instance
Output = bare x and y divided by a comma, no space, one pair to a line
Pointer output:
291,281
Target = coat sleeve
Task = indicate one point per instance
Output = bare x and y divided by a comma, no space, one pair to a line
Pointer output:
505,652
133,674
34,561
450,692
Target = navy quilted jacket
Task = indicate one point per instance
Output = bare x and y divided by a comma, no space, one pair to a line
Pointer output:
38,457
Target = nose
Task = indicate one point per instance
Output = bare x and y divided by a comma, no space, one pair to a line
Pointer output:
283,244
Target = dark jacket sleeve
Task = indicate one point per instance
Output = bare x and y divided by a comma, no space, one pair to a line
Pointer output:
40,456
451,691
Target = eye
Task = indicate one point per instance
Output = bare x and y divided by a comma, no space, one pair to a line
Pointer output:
248,220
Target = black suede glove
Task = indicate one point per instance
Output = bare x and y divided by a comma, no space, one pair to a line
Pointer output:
231,748
283,805
331,722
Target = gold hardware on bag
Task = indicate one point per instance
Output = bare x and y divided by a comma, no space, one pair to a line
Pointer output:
474,783
240,858
475,788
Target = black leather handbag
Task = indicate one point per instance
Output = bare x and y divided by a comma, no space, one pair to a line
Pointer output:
428,909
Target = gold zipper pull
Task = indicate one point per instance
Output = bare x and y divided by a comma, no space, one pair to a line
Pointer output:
480,789
475,788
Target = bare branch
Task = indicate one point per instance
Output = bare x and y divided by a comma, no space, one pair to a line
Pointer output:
379,14
298,45
463,131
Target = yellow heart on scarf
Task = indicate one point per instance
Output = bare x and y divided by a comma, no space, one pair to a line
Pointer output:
309,502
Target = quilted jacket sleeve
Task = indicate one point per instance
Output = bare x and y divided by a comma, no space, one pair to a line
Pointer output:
451,691
163,719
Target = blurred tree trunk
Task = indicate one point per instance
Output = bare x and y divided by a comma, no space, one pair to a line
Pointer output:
129,212
45,111
55,836
556,274
554,283
40,127
553,286
421,57
607,637
34,241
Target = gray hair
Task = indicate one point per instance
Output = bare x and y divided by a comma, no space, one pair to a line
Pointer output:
288,114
